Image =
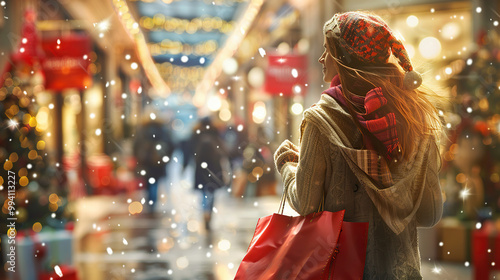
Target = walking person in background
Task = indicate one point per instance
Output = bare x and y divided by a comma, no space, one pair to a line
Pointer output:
370,145
210,158
153,148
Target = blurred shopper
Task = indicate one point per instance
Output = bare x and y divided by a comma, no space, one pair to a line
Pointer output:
235,141
153,148
211,164
258,171
370,145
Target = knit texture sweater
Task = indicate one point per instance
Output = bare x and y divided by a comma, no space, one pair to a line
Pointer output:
330,163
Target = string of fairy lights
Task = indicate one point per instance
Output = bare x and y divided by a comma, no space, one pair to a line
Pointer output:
179,77
132,27
175,47
229,49
184,63
178,25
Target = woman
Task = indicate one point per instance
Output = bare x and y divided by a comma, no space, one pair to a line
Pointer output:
369,145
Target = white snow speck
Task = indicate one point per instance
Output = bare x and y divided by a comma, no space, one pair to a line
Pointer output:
58,271
262,52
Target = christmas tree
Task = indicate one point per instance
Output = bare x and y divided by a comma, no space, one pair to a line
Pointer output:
472,161
37,200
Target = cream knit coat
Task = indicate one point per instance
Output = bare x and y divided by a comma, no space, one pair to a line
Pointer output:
329,164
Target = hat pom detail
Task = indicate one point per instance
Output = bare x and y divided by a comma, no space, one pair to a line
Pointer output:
412,80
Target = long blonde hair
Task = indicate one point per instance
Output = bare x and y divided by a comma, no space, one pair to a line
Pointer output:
415,112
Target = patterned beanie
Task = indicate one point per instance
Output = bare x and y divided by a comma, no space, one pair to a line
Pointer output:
369,39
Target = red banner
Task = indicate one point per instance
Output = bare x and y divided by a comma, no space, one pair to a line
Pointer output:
286,74
66,62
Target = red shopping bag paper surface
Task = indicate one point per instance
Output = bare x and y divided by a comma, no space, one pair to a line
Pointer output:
304,247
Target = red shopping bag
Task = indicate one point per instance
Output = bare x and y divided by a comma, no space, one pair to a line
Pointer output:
316,246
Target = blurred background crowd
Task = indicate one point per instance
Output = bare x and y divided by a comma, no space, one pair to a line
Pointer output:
141,132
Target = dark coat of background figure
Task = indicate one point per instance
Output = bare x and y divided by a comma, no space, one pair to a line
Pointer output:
153,148
209,156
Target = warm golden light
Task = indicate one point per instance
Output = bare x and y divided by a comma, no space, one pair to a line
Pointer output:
257,172
42,118
53,198
32,154
152,73
225,115
37,227
32,122
13,157
11,232
231,46
40,145
461,178
259,112
23,181
7,165
429,47
53,207
22,172
135,207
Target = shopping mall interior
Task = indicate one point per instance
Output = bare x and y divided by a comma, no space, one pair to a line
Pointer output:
85,82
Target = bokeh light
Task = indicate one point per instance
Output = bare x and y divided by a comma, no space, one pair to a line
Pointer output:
429,47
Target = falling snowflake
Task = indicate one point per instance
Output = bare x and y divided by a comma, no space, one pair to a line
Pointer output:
262,52
58,271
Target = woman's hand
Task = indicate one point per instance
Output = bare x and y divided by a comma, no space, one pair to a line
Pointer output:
286,152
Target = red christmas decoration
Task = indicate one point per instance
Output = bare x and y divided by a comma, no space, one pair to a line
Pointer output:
28,51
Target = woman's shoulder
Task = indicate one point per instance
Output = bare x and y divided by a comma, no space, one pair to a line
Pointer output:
333,121
327,105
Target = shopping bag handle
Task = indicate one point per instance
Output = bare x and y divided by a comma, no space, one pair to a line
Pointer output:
321,206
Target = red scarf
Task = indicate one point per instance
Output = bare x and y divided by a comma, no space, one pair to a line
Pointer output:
377,120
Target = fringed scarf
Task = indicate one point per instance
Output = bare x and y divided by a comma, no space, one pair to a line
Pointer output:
376,119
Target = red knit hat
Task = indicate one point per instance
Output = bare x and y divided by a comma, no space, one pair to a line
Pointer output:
369,39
